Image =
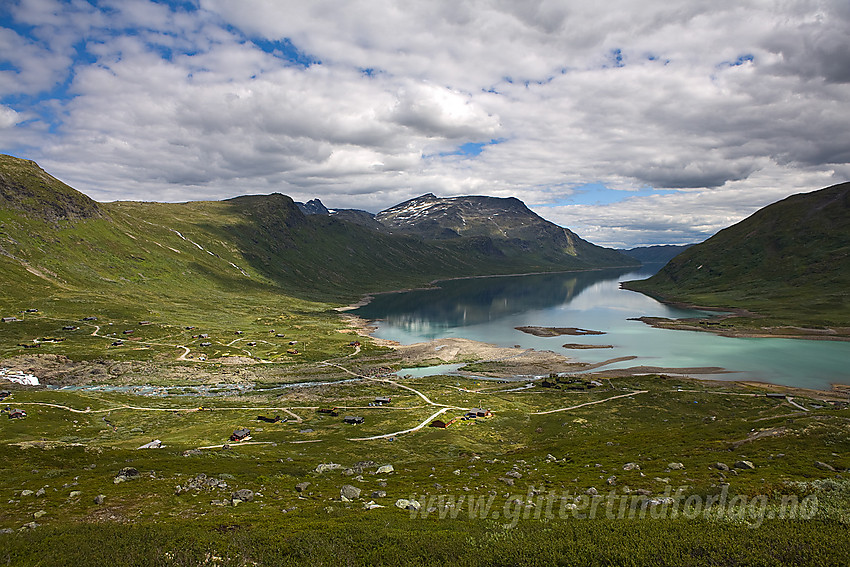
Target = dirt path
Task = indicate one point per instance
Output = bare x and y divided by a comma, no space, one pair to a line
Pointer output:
591,403
428,420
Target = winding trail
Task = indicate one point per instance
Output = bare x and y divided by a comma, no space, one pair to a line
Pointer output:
411,430
591,403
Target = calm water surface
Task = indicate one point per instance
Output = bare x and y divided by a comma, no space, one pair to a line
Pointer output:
488,309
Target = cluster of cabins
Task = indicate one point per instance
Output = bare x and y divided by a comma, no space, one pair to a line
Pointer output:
474,413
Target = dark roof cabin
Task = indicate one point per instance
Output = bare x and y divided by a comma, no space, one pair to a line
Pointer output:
438,423
17,414
274,419
353,420
240,434
478,412
382,400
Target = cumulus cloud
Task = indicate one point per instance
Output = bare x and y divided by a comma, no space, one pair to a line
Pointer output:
729,105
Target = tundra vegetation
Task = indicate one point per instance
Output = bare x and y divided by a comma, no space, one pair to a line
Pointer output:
231,308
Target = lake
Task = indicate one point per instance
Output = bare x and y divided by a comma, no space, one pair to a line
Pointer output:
489,309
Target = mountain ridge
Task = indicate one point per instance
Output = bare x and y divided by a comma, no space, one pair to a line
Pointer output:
790,259
264,243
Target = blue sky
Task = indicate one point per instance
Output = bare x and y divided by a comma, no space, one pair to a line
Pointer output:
633,125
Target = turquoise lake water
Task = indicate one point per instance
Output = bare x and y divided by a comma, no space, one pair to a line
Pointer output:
488,309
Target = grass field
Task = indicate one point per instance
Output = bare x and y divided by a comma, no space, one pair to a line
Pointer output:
515,460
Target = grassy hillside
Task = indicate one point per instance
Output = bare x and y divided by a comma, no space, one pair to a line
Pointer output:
789,261
224,265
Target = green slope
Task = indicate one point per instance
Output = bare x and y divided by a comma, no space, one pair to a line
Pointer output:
224,264
790,260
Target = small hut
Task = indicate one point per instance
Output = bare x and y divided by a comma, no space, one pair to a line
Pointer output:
240,434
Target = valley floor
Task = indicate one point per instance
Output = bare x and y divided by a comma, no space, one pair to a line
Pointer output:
564,471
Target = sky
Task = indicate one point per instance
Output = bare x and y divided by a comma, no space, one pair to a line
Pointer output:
632,123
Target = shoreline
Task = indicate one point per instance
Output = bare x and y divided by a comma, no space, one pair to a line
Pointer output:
841,334
446,350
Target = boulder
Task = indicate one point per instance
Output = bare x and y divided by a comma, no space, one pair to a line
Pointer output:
74,494
746,465
612,480
675,466
348,492
379,494
326,467
514,474
99,499
508,481
405,504
27,492
40,492
302,486
127,473
631,467
721,466
371,505
825,466
385,469
243,495
591,491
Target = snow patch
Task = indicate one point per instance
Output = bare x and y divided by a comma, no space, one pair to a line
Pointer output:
19,377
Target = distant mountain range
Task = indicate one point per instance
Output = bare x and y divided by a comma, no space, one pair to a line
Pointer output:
501,227
655,254
54,239
789,260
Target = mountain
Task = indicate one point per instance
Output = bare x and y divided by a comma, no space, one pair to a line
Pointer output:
504,226
313,207
28,189
55,241
789,260
655,254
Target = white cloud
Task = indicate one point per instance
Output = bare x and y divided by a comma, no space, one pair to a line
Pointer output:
733,104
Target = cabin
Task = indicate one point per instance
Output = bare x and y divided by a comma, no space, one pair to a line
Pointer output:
353,420
144,322
5,394
775,395
331,412
9,319
206,344
118,343
292,351
438,423
240,434
478,412
17,414
382,401
70,328
354,343
89,318
274,419
128,331
32,310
